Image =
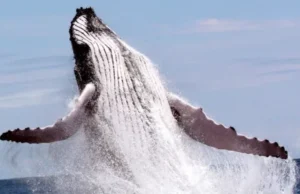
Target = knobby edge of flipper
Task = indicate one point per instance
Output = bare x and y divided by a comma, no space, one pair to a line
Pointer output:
203,129
61,130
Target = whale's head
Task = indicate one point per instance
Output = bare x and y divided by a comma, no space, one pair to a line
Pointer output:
87,33
110,63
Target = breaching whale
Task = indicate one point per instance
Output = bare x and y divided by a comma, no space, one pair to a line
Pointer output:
117,82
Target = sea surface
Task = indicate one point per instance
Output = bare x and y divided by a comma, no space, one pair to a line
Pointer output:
44,185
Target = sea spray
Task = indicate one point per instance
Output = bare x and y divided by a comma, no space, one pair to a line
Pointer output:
177,164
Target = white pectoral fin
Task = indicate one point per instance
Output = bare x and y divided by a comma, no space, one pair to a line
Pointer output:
61,130
201,128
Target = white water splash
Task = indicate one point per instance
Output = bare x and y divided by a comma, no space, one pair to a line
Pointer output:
177,164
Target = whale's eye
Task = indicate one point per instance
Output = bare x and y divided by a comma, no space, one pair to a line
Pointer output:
176,114
97,24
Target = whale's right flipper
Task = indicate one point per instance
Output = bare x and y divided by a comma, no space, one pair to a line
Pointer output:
61,130
203,129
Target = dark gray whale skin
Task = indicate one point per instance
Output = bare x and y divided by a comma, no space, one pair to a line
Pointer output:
193,120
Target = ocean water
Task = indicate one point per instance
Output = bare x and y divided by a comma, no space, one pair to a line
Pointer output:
45,185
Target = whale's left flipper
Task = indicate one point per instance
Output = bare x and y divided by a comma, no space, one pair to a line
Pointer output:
199,127
61,130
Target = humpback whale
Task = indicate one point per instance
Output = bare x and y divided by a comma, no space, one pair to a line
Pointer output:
120,85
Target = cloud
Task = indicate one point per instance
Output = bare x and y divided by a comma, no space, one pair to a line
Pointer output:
35,63
279,69
231,25
33,72
42,60
270,61
6,55
234,75
48,25
270,70
29,98
243,76
31,76
30,69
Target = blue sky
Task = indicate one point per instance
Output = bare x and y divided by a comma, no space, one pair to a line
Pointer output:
240,61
